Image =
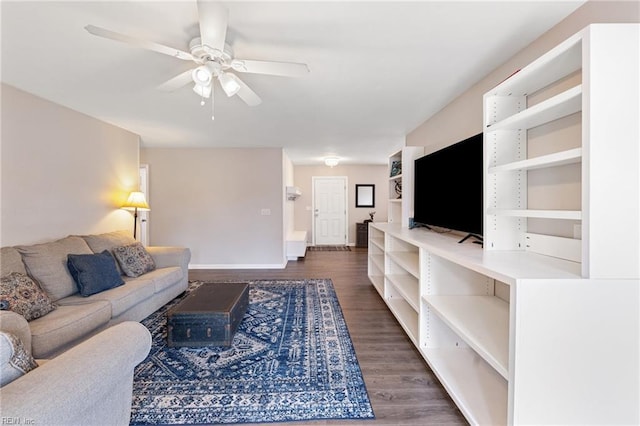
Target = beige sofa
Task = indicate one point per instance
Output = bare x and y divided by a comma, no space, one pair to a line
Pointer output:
87,348
77,317
90,384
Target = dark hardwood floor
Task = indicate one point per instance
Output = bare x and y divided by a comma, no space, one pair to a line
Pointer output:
402,388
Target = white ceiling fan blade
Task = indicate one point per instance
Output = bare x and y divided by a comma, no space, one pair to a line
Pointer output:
213,24
177,82
286,69
246,94
149,45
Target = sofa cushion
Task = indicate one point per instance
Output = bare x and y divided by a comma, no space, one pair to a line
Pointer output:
134,259
20,294
66,325
122,298
11,261
47,263
94,272
163,278
14,358
108,241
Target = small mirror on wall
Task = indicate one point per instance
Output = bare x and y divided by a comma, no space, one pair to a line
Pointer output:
365,195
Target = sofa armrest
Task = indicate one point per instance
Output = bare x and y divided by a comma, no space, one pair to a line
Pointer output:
16,324
91,383
170,256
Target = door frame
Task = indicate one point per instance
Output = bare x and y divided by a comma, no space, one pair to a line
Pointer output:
314,179
144,215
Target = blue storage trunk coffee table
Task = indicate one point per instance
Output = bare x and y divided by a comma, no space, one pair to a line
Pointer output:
209,316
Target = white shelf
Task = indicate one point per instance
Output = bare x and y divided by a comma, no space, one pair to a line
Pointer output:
378,283
566,103
378,242
378,261
559,62
507,266
542,214
407,260
400,209
406,316
478,390
408,287
551,160
482,322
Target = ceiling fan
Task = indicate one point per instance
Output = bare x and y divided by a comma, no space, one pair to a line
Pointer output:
213,58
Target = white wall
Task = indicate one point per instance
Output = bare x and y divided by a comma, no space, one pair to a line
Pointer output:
211,200
289,206
62,172
358,174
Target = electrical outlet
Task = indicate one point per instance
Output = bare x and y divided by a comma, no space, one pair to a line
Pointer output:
265,212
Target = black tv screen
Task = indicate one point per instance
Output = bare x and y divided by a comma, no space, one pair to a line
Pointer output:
448,187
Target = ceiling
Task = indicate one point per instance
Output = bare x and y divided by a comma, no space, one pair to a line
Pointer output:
378,69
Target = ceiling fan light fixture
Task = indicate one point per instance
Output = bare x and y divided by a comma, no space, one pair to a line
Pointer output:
229,83
202,91
202,76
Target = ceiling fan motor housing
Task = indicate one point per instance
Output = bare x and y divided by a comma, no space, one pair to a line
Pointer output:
203,53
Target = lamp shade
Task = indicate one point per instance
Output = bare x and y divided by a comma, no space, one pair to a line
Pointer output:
136,200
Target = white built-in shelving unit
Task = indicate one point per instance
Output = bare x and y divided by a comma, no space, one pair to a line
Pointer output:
400,208
538,328
604,57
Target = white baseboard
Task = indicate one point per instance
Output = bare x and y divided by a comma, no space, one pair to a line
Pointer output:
237,266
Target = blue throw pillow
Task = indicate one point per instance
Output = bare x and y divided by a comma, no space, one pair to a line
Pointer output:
94,272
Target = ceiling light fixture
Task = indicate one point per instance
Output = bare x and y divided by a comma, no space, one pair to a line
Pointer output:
331,161
229,83
202,91
201,76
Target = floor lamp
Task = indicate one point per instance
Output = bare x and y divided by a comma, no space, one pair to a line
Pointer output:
135,202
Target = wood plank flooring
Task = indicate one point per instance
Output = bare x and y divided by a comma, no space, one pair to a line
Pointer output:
402,388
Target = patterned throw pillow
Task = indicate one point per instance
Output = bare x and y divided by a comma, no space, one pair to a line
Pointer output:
16,361
134,259
20,294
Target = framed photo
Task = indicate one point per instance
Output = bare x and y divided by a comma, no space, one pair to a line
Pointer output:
365,195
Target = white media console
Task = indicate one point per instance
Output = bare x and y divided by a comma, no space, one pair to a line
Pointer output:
538,327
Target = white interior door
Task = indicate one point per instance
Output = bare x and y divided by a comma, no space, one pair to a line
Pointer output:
330,210
144,216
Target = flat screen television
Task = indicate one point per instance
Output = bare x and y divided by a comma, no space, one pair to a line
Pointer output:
448,187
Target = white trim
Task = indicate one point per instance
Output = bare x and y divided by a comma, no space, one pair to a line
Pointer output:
238,266
143,184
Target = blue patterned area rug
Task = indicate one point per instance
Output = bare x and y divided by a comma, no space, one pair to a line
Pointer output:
291,360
